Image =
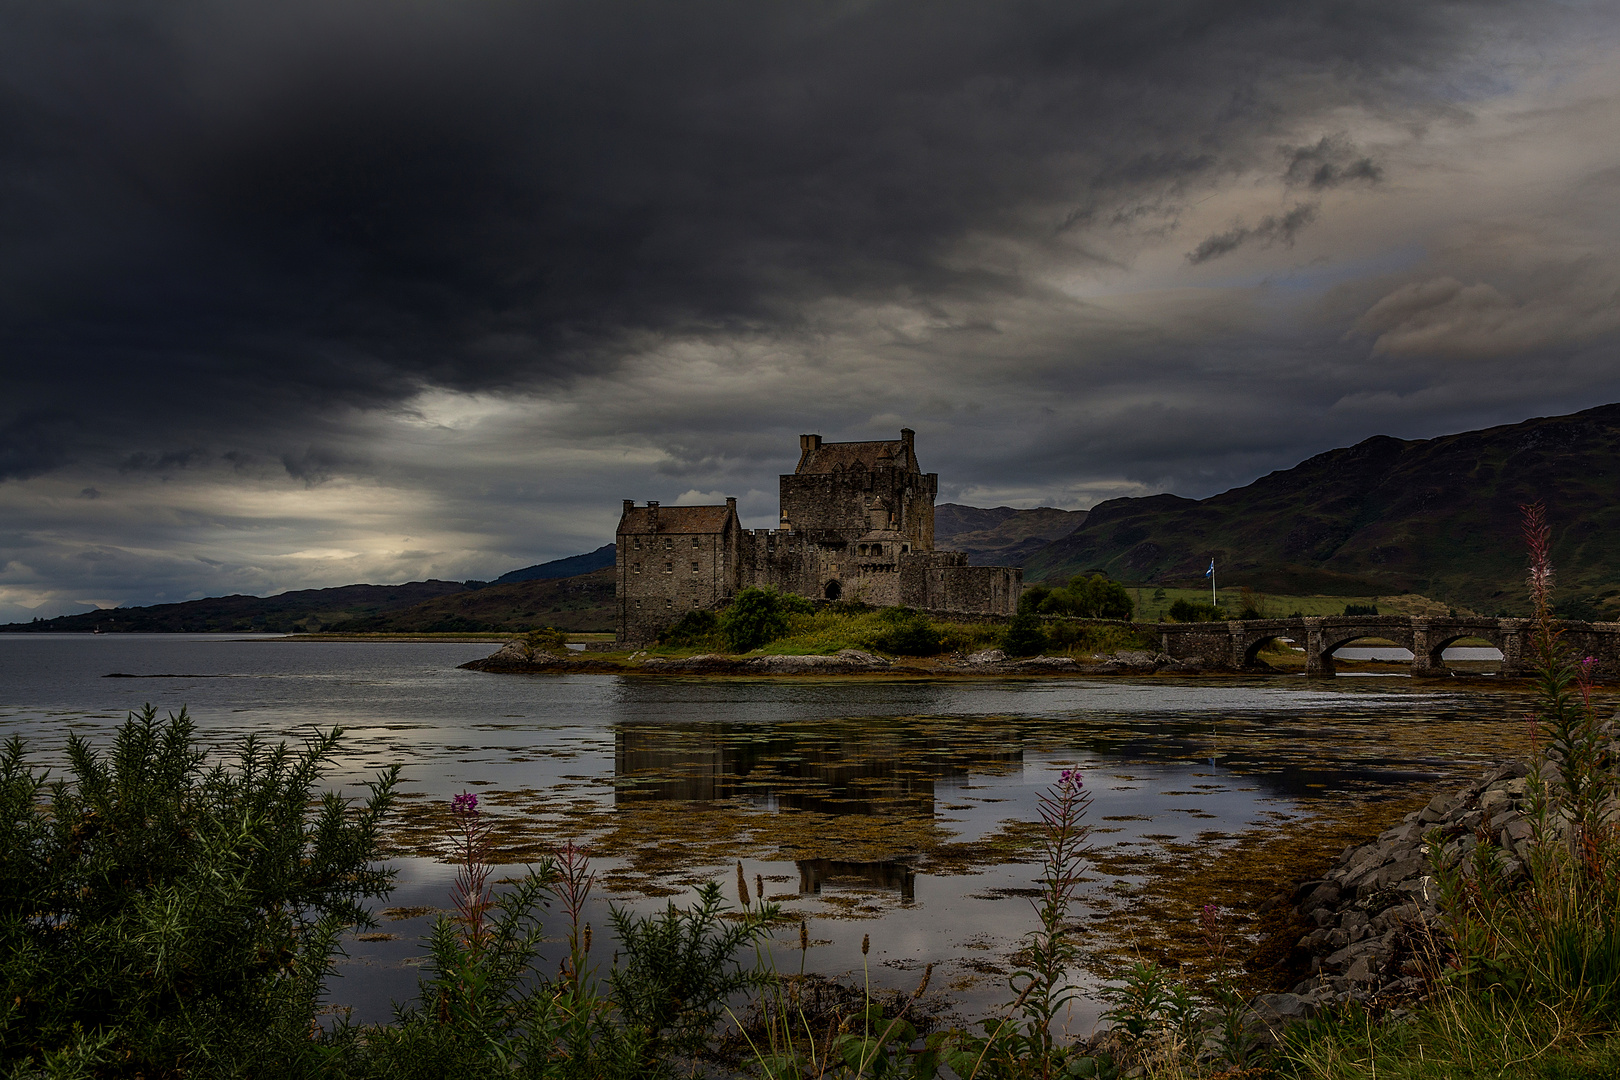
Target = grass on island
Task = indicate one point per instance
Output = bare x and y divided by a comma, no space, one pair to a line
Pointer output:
493,635
1153,603
830,630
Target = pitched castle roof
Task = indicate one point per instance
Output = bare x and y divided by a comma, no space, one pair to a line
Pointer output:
676,519
823,457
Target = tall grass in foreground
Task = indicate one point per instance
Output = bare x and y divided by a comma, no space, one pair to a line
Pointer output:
1528,968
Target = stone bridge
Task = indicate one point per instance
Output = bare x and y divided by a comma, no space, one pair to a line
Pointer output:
1235,645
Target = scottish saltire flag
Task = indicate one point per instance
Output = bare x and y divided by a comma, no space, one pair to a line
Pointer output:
1211,571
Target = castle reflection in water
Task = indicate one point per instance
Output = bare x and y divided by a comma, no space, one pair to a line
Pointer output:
845,769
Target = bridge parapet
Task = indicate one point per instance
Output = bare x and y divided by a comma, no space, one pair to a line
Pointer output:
1233,645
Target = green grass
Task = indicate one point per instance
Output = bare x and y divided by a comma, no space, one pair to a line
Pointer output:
1151,606
1461,1035
827,631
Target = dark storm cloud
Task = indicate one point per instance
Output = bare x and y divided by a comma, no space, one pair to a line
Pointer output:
1329,163
1271,229
223,221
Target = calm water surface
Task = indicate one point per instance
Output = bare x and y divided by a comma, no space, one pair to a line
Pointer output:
895,808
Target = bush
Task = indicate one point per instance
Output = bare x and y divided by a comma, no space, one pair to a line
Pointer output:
680,968
692,629
545,639
1093,597
1025,636
1032,599
1091,638
757,617
904,632
1361,609
1195,611
172,917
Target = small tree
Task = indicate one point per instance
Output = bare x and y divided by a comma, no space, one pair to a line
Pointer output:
544,639
1025,636
693,628
1195,611
1032,599
1096,597
757,617
905,632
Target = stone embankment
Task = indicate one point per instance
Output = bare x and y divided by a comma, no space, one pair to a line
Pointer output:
517,658
1377,913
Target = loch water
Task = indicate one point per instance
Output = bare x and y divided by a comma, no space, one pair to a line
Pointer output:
897,808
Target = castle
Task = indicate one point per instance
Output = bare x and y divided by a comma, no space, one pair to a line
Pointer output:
857,523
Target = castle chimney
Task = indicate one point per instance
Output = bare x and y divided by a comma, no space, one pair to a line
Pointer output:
908,437
629,505
652,514
731,506
808,443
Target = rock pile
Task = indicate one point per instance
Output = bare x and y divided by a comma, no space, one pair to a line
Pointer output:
1126,662
516,657
845,661
1377,911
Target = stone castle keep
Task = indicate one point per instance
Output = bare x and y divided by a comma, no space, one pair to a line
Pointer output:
857,523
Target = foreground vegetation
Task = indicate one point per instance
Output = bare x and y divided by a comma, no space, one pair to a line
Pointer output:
1524,974
164,917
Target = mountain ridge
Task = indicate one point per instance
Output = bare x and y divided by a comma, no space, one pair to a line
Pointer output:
1434,516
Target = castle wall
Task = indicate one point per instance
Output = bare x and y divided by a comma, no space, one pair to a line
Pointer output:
782,560
667,567
943,581
854,501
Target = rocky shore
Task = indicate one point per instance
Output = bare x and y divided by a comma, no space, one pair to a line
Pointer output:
1376,913
517,659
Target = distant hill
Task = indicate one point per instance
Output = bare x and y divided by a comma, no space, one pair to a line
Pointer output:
582,603
1001,536
1434,516
306,609
560,568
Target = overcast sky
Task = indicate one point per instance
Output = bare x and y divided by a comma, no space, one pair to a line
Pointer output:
298,294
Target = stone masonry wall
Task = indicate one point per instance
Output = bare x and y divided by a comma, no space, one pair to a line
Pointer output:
842,503
664,573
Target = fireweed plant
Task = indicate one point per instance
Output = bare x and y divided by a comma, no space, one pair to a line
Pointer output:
1543,926
1527,958
1021,1042
471,893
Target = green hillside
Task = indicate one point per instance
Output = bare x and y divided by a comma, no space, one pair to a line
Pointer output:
305,609
583,603
1438,517
1001,536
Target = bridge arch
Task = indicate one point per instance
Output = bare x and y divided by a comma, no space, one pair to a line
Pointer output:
1252,637
1443,636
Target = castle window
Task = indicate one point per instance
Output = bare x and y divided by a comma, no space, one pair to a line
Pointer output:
694,566
669,568
694,541
638,543
635,568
